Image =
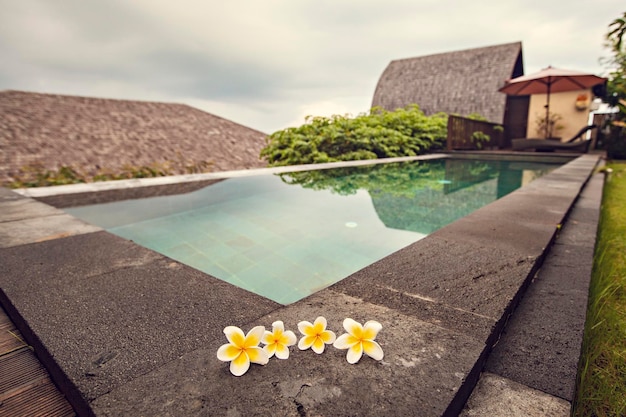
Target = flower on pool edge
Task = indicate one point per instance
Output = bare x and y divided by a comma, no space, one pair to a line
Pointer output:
360,339
315,335
278,341
242,349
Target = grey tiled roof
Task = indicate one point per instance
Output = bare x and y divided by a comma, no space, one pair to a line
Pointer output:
83,132
460,82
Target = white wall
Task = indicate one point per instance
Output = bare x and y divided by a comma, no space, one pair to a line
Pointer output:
563,104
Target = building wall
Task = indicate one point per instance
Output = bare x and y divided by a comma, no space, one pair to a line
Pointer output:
563,104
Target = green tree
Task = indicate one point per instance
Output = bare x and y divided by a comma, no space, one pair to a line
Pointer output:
617,30
616,84
616,87
378,134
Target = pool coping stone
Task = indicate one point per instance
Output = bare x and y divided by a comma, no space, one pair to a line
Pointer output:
541,345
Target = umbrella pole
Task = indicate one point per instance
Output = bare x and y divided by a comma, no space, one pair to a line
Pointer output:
548,109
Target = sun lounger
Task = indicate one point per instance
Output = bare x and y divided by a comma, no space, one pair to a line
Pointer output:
576,144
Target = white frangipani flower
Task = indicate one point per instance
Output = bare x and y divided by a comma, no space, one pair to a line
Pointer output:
315,335
360,339
242,349
277,341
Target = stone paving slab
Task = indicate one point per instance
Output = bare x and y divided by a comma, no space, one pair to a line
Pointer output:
23,220
496,396
479,263
9,195
108,310
461,285
311,384
540,346
39,229
421,307
25,208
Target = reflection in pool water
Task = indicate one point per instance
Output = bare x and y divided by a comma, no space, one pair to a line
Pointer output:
285,237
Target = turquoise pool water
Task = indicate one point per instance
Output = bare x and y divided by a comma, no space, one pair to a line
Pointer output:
287,236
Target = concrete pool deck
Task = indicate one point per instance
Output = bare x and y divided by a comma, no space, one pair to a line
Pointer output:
126,331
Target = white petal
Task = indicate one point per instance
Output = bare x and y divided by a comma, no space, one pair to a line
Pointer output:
234,335
228,352
371,329
257,355
354,353
268,338
318,345
270,349
282,352
306,342
353,327
321,320
254,336
291,338
240,365
373,350
344,341
278,325
305,327
328,336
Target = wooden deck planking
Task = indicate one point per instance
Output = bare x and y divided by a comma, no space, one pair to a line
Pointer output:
25,386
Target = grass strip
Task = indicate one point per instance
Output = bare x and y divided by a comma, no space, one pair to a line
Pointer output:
601,385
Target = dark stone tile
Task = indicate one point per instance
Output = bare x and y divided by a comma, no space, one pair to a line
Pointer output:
428,310
421,373
498,396
109,311
540,345
476,278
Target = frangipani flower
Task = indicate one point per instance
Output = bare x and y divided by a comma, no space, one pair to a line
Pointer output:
278,341
315,335
241,350
360,339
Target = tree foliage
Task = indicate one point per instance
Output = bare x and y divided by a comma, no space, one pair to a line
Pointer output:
617,31
379,134
616,87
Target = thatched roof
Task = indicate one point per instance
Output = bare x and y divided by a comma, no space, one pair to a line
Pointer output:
83,132
460,82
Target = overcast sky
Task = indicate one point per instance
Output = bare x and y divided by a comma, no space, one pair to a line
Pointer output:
269,63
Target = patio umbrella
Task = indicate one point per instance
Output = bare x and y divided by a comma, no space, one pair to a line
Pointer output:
550,80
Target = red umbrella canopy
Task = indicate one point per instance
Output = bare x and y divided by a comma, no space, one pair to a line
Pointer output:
550,80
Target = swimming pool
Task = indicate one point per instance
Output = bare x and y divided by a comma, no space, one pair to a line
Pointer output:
287,236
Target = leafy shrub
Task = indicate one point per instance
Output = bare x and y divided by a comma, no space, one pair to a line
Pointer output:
549,126
479,138
379,134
